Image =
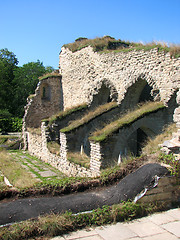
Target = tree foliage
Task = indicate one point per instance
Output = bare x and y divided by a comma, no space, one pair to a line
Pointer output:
8,63
17,83
25,82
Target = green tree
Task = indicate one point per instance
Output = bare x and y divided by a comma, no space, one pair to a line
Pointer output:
25,82
8,63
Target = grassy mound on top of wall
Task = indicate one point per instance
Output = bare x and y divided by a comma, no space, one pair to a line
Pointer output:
107,44
62,114
127,119
89,116
49,75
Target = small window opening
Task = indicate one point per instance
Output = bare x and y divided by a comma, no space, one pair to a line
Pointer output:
45,94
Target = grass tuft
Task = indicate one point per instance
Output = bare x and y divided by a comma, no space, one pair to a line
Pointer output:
49,75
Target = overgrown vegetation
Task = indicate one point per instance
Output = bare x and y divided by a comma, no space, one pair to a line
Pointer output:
53,225
174,165
62,114
13,124
82,159
108,44
52,74
53,147
151,146
14,171
127,119
89,116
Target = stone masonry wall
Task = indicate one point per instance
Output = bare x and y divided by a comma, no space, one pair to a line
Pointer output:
38,147
84,72
43,105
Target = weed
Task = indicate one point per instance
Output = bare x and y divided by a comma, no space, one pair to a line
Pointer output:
170,160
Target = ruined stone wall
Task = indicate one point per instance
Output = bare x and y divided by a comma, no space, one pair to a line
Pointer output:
38,147
84,72
46,101
121,75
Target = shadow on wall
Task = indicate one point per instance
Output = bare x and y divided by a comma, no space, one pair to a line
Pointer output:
139,92
105,94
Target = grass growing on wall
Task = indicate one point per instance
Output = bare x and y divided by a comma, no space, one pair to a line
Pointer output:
127,119
152,145
62,114
48,75
54,147
89,116
108,44
81,159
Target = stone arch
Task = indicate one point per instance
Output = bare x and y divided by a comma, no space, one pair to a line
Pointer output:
124,142
140,91
45,92
103,93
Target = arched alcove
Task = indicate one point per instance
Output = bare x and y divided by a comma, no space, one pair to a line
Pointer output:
106,93
140,91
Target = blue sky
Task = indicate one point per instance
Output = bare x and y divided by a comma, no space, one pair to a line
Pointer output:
37,29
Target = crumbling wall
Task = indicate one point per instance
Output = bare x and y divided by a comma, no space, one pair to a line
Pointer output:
85,71
46,101
93,78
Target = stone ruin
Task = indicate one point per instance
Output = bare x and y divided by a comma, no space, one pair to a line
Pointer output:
107,85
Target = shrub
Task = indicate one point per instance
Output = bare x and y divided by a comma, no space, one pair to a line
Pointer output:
11,124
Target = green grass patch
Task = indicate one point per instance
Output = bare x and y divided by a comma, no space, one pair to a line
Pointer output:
15,173
174,165
53,225
62,184
82,159
127,119
89,116
62,114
